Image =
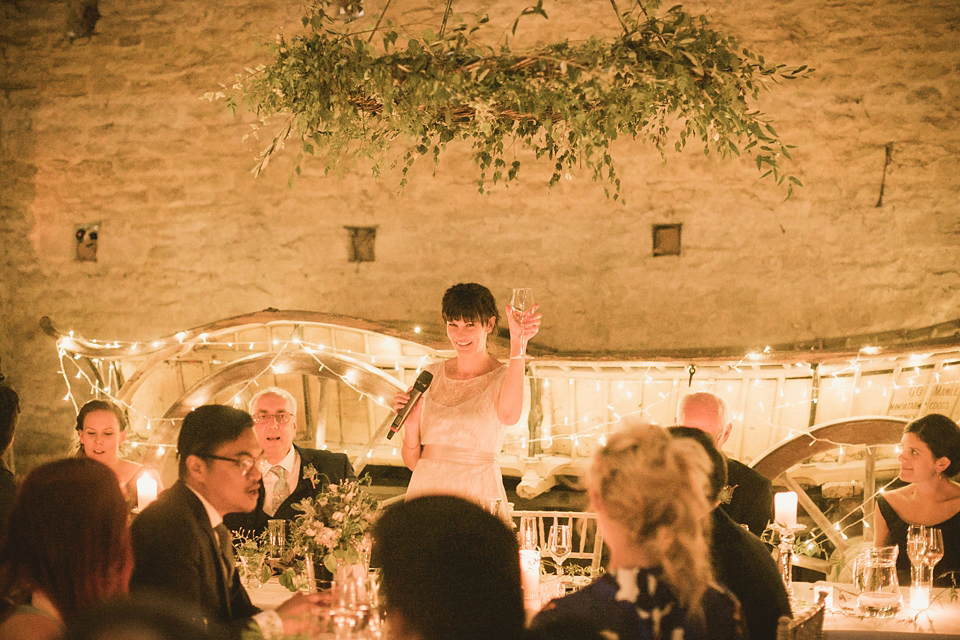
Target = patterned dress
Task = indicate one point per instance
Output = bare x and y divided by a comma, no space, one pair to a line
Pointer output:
461,437
636,604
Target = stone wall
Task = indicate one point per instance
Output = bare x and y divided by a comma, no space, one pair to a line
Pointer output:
112,129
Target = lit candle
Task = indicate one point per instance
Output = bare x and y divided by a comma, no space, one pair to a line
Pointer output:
919,598
146,491
785,509
530,578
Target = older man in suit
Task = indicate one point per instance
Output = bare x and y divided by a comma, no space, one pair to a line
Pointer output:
181,548
752,502
285,478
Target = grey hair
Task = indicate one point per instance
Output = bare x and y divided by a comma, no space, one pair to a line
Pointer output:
275,391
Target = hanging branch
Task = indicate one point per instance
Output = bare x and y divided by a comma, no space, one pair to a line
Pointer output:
664,81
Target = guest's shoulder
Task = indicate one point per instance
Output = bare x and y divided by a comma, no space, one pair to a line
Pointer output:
723,614
312,456
741,474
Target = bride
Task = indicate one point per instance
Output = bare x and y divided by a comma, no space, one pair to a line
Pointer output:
454,433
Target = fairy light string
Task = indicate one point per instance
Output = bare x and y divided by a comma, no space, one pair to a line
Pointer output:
622,397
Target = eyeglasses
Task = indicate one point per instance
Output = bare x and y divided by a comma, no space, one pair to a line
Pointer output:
280,417
245,462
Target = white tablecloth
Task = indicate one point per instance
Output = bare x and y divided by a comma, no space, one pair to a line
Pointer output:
941,621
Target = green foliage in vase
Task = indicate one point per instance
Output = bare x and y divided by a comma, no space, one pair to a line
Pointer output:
364,90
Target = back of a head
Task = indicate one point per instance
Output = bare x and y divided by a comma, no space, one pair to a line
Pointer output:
206,428
703,411
67,534
942,435
450,570
718,472
656,488
9,412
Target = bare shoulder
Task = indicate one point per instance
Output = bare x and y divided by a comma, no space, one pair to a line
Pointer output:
30,626
128,469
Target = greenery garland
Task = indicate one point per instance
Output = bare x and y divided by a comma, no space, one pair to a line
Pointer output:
663,80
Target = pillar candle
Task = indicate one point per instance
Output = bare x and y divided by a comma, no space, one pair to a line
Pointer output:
530,578
919,598
785,509
146,491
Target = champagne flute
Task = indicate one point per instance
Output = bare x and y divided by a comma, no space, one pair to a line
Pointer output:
559,545
916,550
528,532
934,550
521,303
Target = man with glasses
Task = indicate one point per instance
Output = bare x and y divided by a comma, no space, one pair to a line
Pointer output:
181,547
285,482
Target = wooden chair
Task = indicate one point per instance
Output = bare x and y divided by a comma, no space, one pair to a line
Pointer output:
586,538
806,626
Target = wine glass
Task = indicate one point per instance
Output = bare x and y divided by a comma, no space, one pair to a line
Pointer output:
916,550
520,303
528,532
934,550
558,545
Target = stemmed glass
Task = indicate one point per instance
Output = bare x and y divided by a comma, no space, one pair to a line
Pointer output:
934,551
528,532
558,545
520,303
916,551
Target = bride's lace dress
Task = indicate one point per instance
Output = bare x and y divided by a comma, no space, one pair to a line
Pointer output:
461,437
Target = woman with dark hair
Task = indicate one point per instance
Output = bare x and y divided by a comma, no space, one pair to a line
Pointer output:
101,431
929,459
453,435
449,571
650,494
66,548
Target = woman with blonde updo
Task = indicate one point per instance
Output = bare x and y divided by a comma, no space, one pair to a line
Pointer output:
649,492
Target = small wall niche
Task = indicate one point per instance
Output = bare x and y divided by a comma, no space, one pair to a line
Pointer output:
361,244
87,236
666,239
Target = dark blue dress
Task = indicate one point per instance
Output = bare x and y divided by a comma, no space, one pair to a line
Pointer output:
652,614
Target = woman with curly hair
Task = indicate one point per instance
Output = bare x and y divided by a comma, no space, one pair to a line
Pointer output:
66,548
649,492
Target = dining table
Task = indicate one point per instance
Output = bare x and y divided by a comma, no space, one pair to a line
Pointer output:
843,620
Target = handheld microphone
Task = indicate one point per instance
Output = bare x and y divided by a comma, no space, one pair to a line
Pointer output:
423,381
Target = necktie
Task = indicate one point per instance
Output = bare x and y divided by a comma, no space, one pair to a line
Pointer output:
225,541
280,488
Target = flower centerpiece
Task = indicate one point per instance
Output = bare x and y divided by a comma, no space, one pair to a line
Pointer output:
335,521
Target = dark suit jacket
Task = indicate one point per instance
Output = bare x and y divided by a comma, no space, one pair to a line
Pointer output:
333,467
176,554
743,565
752,502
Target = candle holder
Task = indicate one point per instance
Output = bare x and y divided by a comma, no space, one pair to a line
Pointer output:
787,537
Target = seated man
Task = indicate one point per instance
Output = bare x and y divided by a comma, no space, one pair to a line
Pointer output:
752,501
182,549
741,561
285,482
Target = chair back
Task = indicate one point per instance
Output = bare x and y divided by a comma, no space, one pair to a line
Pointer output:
586,539
808,625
